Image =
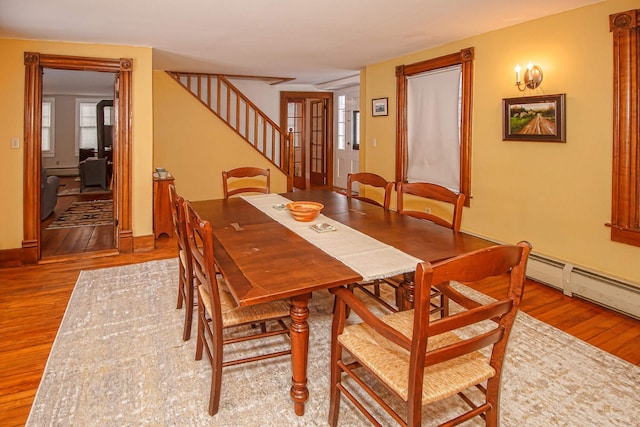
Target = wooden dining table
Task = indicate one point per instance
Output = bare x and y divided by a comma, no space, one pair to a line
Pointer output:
262,260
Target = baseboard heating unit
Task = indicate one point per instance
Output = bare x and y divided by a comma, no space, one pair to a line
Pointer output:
573,280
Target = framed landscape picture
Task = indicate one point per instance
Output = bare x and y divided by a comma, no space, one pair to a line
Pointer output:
534,118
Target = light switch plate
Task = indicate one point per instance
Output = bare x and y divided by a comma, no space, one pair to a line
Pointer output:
15,142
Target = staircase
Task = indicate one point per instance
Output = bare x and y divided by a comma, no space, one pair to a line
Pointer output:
224,100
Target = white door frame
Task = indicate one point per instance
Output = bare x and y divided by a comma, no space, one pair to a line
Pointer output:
346,158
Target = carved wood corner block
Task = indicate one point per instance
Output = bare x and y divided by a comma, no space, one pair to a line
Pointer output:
126,64
624,20
31,58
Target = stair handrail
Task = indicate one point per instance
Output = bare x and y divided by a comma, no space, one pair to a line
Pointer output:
283,159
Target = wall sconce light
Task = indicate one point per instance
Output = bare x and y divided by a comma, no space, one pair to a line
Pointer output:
532,77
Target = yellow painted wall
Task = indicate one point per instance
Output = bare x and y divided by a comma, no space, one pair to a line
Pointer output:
195,146
12,125
557,196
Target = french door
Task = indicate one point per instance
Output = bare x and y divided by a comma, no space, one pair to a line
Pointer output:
309,116
318,163
295,123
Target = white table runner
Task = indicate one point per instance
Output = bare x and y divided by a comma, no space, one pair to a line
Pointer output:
365,255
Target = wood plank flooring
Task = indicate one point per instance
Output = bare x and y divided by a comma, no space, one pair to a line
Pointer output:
76,240
33,300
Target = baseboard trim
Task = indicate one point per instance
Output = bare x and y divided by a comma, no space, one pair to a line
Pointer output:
10,257
17,257
144,243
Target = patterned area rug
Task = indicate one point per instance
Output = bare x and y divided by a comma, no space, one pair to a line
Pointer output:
64,191
80,214
119,360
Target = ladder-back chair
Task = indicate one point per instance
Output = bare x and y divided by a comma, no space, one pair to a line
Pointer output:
218,311
422,360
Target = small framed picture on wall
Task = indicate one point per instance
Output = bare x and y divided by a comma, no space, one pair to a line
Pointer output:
379,107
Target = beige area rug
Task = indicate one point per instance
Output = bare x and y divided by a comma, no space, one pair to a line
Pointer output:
119,360
82,214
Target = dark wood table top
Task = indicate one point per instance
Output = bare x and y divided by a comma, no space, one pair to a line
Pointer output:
267,261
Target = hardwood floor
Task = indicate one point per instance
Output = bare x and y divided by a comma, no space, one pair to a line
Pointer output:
65,241
33,300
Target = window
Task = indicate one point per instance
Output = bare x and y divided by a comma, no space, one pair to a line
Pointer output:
432,93
355,129
86,124
342,133
625,199
48,127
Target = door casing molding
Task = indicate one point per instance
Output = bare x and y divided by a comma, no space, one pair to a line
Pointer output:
34,63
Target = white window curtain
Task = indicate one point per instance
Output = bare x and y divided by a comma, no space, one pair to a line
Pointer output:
433,127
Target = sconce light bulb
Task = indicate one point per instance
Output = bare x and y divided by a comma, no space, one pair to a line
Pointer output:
518,68
530,66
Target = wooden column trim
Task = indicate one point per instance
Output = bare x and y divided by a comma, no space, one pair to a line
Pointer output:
124,153
625,203
32,159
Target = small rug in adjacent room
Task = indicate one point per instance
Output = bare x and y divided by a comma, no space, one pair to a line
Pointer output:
74,191
81,214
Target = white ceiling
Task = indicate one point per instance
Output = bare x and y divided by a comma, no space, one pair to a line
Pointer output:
313,42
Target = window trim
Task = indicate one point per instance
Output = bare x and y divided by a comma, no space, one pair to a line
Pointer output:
464,58
625,196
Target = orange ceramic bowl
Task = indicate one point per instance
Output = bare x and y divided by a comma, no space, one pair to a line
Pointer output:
304,211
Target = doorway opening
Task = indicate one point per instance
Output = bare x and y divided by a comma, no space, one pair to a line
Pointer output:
310,117
77,149
119,185
347,141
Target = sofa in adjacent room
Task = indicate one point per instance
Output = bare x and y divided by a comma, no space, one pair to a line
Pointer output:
48,193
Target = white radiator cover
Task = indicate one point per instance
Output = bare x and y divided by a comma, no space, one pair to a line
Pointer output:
598,288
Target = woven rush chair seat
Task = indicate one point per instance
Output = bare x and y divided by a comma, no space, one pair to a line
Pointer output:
234,315
390,362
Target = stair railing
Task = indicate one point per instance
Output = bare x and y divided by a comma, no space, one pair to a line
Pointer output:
222,98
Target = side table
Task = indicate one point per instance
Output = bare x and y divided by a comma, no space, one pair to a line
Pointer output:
162,220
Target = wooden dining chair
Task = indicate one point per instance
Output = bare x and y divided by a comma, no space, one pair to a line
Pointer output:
185,279
421,360
435,192
372,180
438,193
218,313
232,181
